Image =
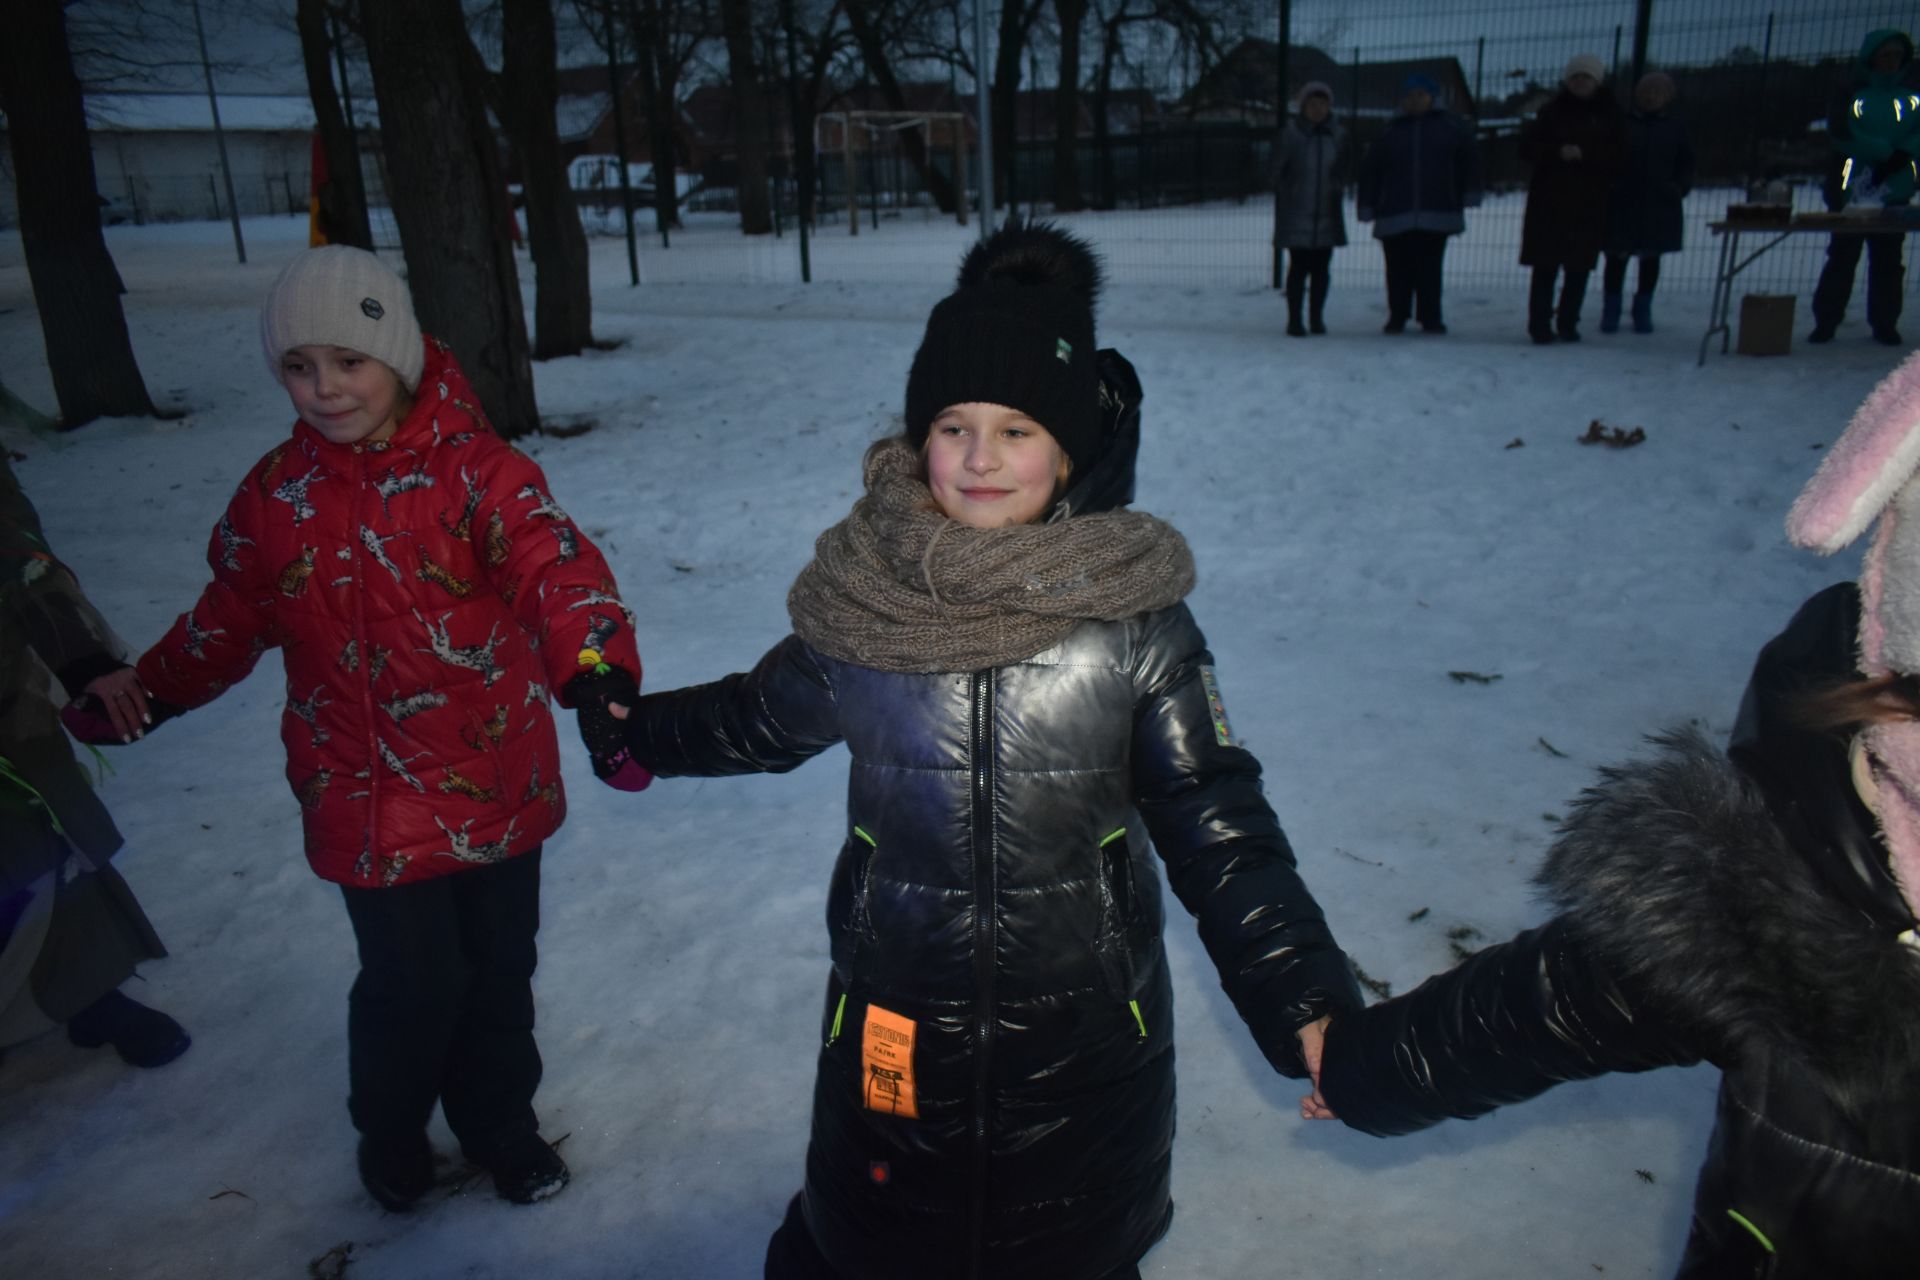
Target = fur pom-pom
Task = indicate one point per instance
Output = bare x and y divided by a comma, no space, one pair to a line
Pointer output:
1033,254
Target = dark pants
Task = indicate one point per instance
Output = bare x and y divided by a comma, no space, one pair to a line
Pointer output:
792,1254
1885,277
443,1007
1542,317
1615,278
1307,279
1414,260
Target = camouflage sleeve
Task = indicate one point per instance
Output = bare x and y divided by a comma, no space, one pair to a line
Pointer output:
42,597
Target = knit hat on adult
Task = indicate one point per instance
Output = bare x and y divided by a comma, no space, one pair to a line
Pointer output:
1584,64
1420,82
339,296
1312,87
1017,331
1871,477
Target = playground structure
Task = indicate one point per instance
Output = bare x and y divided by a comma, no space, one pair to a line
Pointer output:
862,133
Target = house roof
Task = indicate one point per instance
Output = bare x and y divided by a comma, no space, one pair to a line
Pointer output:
189,112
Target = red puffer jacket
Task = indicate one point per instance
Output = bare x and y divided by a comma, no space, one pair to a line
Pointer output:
429,596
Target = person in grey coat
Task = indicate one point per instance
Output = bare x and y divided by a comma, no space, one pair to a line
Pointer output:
71,930
1309,154
1032,714
1414,186
1646,215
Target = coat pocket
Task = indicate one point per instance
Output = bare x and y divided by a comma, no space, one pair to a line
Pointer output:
1120,925
849,906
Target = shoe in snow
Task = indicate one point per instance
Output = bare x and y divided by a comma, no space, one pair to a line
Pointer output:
525,1169
396,1170
142,1037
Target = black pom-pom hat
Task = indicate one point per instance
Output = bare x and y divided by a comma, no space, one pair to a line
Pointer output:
1017,331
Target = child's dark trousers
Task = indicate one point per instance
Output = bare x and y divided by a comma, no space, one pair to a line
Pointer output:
443,1007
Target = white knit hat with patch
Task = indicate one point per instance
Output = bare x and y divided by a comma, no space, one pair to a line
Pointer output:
339,296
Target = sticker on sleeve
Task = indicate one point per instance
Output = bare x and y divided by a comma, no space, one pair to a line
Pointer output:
1222,731
886,1048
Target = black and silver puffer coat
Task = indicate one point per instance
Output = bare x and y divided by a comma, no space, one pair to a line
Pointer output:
995,885
1737,908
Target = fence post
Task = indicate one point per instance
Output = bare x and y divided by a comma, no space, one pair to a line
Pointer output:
1279,123
1642,24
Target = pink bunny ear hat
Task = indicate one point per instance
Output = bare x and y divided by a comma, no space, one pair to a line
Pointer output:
1870,475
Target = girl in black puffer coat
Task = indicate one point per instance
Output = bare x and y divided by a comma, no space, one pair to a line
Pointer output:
1753,909
1028,705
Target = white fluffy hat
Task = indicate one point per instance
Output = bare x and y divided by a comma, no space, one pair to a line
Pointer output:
1584,64
339,296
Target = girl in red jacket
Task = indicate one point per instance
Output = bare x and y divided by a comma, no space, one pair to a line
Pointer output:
429,597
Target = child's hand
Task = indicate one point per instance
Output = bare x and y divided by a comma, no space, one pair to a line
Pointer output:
112,708
602,700
1313,1039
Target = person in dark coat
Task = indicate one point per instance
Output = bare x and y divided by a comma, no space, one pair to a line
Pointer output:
71,931
1415,184
1755,909
1308,161
1647,214
1031,711
1575,145
1875,133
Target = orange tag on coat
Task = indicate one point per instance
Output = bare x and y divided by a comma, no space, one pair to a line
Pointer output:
886,1047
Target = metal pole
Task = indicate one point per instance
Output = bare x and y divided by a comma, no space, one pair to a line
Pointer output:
1279,123
802,195
219,136
1642,22
1479,65
1762,116
984,112
620,145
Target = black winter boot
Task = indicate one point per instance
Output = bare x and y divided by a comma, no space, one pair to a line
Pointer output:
142,1037
396,1170
1295,329
526,1169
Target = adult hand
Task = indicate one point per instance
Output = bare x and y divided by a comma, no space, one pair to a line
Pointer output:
1313,1039
1570,152
123,702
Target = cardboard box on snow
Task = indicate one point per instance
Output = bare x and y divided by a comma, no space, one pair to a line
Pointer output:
1766,324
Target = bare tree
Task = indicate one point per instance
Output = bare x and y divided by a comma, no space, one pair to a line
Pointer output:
1070,14
343,197
528,90
449,198
1016,25
75,285
866,20
666,33
749,117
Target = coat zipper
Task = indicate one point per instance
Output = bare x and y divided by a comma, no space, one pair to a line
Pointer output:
365,651
985,946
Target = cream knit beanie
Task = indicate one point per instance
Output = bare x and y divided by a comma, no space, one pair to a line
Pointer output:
339,296
1584,64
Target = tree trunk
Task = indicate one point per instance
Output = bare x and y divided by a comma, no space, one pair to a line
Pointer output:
1016,17
912,142
449,198
562,295
343,197
749,118
1066,108
1102,120
75,285
650,40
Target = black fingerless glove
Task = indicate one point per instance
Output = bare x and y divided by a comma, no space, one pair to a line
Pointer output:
604,736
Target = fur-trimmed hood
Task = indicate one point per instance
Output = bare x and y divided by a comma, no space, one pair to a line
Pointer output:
1674,870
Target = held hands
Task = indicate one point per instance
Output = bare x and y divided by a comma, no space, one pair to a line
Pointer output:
602,699
1313,1039
113,708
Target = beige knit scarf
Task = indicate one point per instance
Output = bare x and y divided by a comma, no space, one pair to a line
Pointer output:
897,586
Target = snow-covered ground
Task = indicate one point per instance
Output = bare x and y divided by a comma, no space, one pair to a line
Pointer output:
1369,514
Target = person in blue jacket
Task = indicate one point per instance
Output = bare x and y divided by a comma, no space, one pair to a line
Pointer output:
1415,185
1876,135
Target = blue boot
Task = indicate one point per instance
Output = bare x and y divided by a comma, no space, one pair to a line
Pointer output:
1643,313
1610,313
